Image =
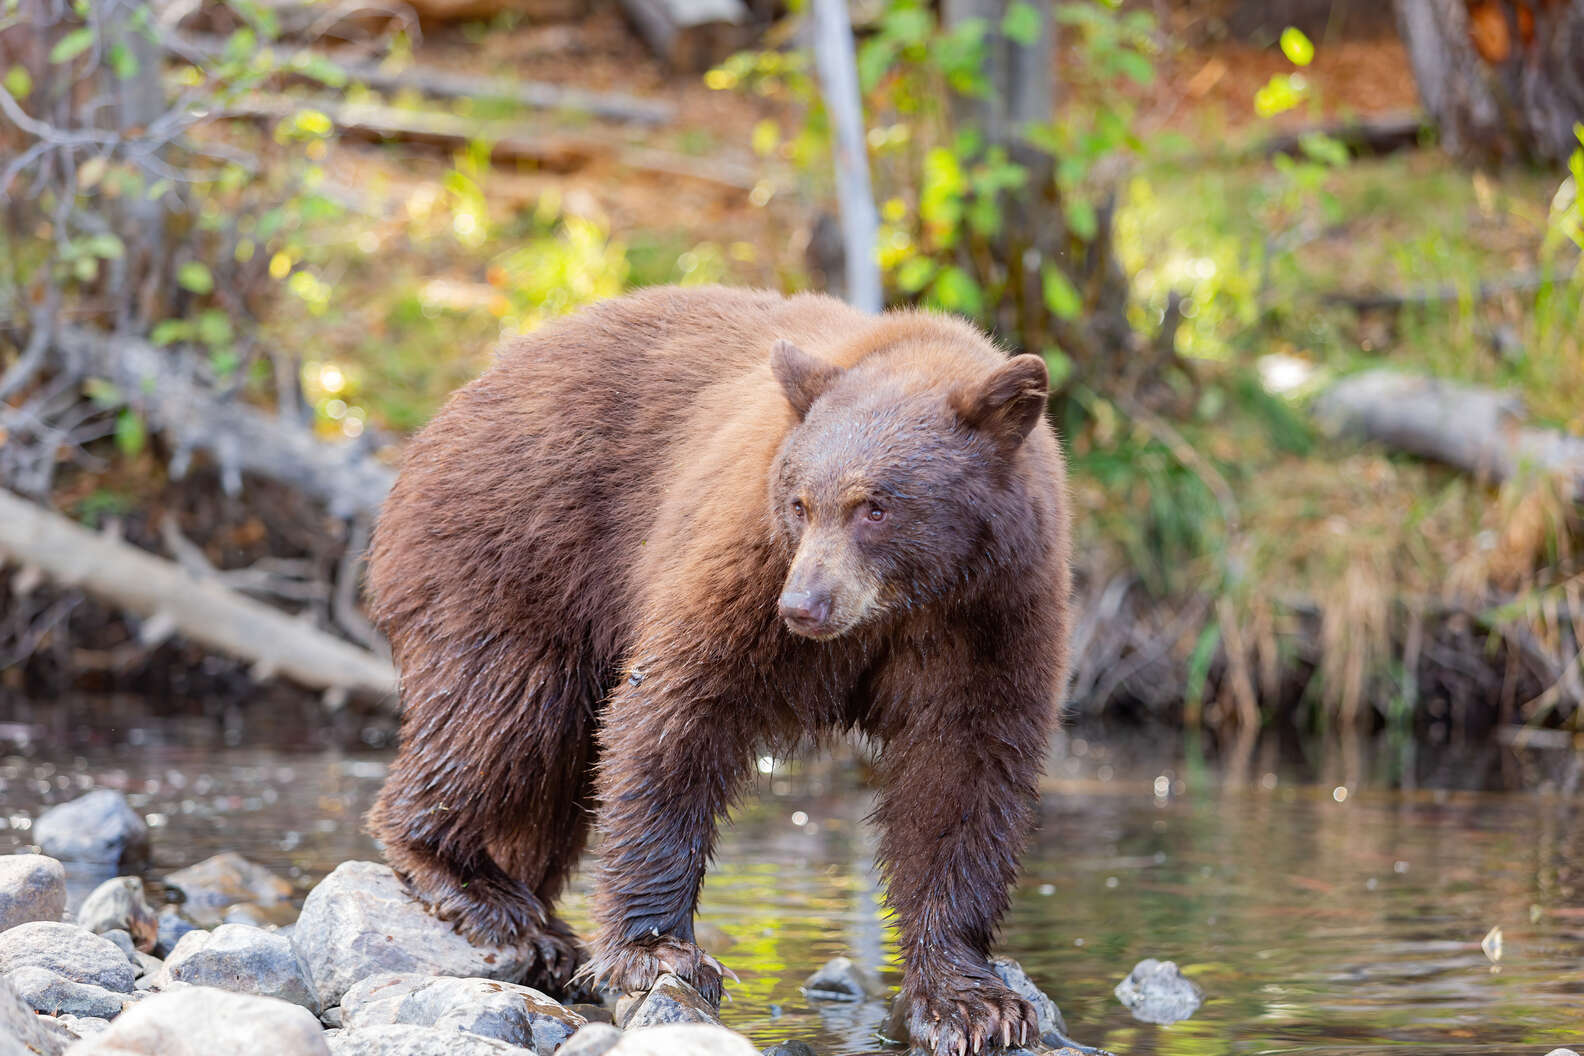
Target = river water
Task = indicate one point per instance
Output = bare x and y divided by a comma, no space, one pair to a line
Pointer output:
1326,905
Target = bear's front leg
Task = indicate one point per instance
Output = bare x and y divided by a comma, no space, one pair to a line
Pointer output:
958,800
673,757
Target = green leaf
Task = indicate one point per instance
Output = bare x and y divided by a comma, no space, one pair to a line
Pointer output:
214,328
915,274
194,276
105,246
956,291
123,62
170,331
1298,48
1060,366
19,82
1082,219
1060,295
72,45
1328,150
1021,24
130,434
1136,67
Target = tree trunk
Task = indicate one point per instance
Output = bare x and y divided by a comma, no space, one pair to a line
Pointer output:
1502,79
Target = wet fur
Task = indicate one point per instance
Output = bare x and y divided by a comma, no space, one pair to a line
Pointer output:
578,571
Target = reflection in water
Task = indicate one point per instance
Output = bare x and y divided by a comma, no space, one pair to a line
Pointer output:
1322,913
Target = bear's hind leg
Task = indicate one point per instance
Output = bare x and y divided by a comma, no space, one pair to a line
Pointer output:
472,814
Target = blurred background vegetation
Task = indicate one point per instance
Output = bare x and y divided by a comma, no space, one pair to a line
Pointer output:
249,246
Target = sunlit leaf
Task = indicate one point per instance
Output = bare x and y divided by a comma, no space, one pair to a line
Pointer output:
194,277
130,434
72,45
1061,297
19,82
1298,48
1021,24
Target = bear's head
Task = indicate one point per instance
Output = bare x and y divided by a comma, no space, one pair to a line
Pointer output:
891,488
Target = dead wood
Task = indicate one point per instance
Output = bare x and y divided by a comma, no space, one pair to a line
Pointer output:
689,35
200,608
1477,430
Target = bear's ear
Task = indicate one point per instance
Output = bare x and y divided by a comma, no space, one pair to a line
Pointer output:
1008,403
802,377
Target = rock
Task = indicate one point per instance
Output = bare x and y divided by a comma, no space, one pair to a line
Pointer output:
277,915
789,1048
66,950
683,1039
593,1013
122,940
99,827
331,1017
145,964
22,1031
1156,992
203,1021
360,921
224,880
518,1015
669,1001
1562,1052
243,960
1052,1027
172,926
405,1039
84,1026
53,994
118,904
839,979
595,1039
32,887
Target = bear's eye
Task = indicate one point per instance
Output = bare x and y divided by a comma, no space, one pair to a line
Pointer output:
875,514
797,509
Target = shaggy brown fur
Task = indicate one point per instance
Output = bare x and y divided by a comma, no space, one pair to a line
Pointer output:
680,529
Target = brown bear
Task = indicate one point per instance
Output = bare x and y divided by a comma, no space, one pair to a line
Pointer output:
688,527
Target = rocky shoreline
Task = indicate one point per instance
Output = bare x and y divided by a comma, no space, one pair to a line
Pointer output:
363,970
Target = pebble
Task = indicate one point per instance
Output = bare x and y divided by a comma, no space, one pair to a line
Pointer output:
100,827
405,1039
1157,992
789,1048
66,950
225,880
683,1039
669,1001
242,959
360,921
118,904
22,1031
517,1015
172,926
1052,1027
595,1039
840,979
32,887
203,1021
53,994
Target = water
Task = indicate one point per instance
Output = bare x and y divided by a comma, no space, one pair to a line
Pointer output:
1323,907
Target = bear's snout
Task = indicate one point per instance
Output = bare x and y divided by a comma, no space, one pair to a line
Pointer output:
807,612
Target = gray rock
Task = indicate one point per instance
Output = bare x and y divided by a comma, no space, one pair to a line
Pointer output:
592,1013
172,926
203,1021
360,921
669,1001
789,1048
1052,1027
54,994
99,827
331,1017
595,1039
84,1026
839,979
118,904
67,950
22,1031
32,887
241,959
1156,992
405,1039
517,1015
683,1039
1562,1052
145,964
277,915
122,939
224,880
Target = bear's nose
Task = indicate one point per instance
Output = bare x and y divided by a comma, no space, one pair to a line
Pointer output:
805,611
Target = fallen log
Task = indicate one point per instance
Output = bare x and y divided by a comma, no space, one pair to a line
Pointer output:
507,142
1477,430
443,84
689,35
240,439
200,609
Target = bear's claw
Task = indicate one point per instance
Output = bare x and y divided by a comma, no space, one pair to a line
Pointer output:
964,1014
631,966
